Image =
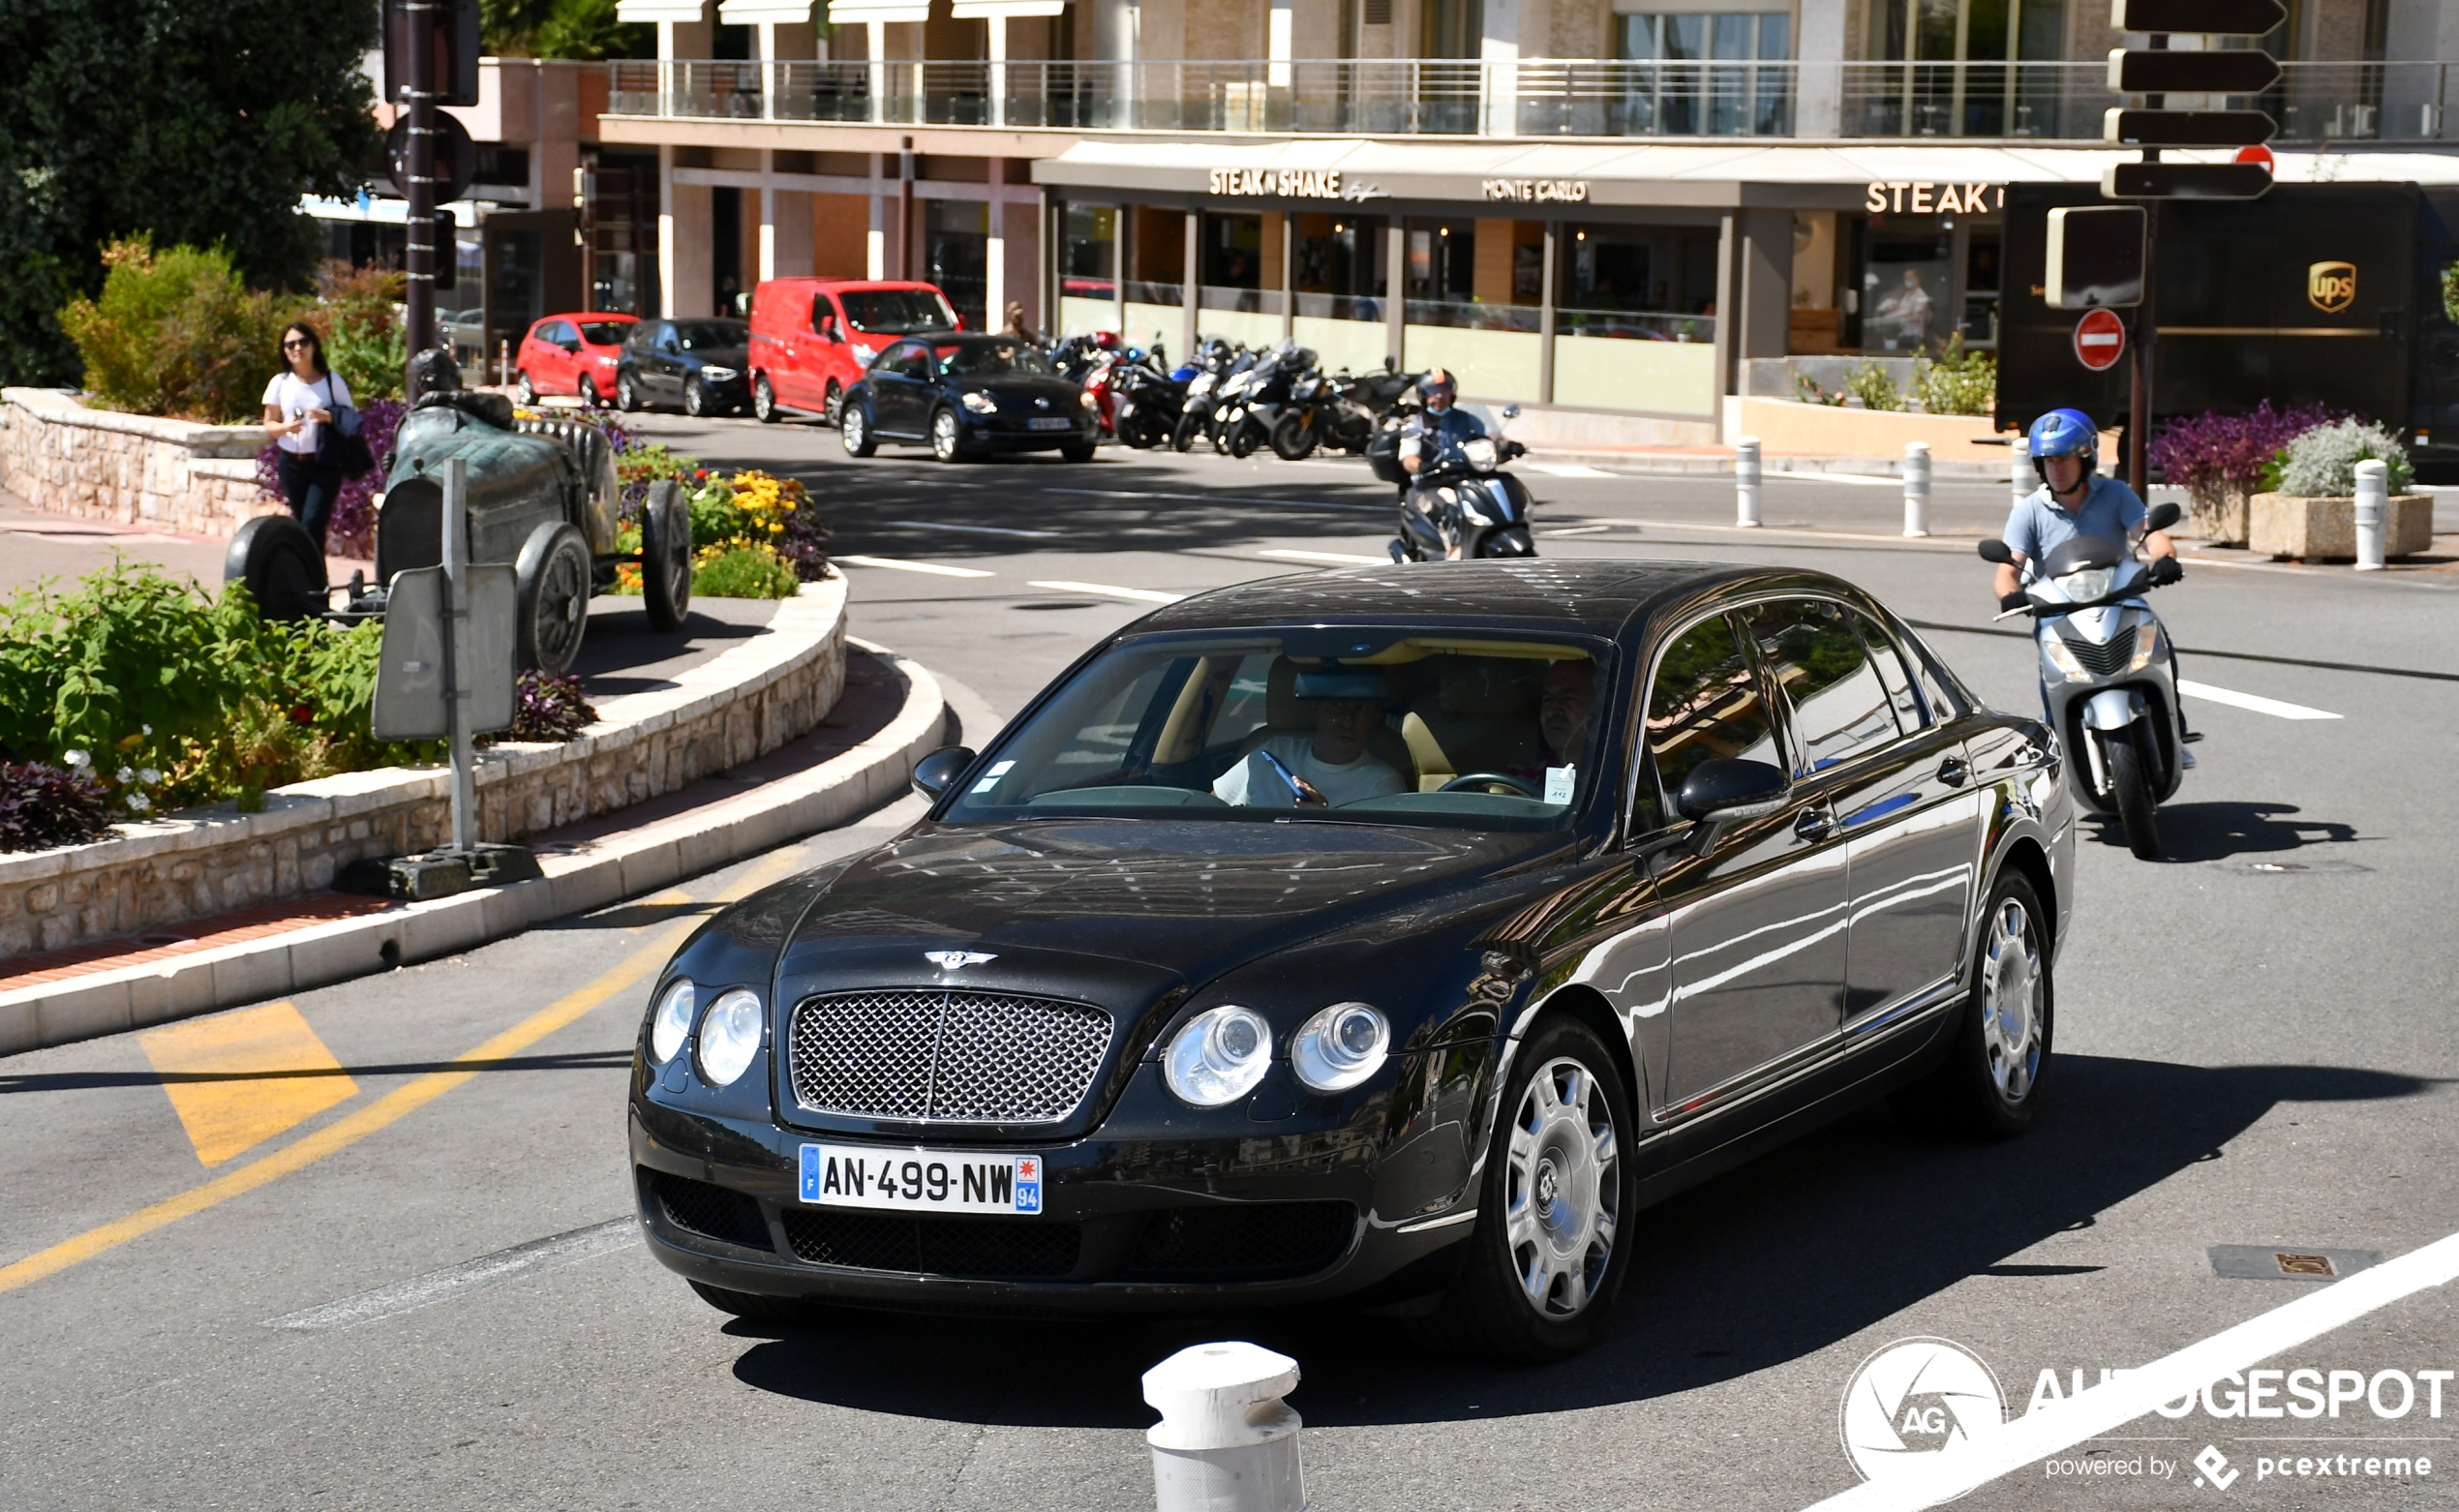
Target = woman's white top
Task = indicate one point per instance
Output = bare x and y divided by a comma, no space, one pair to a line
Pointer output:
294,398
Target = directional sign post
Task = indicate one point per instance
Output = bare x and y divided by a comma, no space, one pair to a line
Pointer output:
2099,340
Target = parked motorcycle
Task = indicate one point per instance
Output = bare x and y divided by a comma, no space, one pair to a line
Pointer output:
1149,401
1252,403
1472,498
2108,677
1223,362
1338,413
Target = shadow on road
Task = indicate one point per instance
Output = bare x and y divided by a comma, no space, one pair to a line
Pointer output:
1802,1247
2217,831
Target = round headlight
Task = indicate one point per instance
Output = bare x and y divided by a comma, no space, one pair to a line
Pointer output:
1219,1057
673,1023
1341,1046
729,1037
978,402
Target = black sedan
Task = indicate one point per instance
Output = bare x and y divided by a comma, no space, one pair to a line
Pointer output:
965,396
1390,934
697,364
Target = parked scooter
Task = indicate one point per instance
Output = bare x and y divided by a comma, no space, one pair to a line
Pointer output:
1474,501
1148,400
2108,677
1252,403
1338,412
1224,363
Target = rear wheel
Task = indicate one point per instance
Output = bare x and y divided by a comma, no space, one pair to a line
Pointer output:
552,579
1989,1084
833,406
1294,437
627,393
665,556
763,400
525,393
855,430
588,391
2129,786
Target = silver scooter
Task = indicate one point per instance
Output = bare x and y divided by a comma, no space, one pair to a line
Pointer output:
2108,677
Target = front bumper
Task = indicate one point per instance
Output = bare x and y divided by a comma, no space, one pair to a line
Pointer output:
1006,433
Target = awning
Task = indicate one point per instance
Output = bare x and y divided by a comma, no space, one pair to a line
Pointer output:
757,13
1006,10
685,12
843,11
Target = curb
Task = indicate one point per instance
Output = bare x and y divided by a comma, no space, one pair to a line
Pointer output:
626,864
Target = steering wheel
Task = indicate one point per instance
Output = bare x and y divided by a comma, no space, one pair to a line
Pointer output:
1490,778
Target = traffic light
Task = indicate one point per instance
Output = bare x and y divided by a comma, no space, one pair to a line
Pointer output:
2157,70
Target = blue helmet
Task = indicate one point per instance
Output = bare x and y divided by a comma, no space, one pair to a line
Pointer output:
2064,433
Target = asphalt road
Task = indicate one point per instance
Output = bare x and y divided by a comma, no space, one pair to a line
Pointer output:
2256,1047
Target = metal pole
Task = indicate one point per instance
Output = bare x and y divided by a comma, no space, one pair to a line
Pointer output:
457,673
2139,414
2373,507
1916,488
419,243
1745,482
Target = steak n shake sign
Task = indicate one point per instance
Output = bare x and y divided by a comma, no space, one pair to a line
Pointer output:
1286,183
1899,196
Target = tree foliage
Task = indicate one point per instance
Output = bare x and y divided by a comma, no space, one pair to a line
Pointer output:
584,29
175,332
191,121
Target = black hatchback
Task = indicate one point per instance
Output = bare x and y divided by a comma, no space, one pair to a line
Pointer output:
1382,934
697,363
965,395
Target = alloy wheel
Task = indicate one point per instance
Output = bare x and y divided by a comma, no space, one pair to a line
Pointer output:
1562,1189
695,399
525,393
944,443
2011,1001
833,406
589,392
626,395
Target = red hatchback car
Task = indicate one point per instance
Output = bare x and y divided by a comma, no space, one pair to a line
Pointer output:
571,354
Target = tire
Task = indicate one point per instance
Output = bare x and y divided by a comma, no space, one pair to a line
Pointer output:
948,436
695,399
2130,787
1989,1087
832,405
1077,451
553,578
1183,437
753,1308
277,561
1246,437
855,430
763,400
1294,437
1558,1195
665,556
589,392
627,394
524,392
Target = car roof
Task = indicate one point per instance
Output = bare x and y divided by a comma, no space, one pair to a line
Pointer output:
1596,595
578,315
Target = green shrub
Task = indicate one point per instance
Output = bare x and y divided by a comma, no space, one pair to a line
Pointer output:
1871,384
1958,381
744,572
2322,463
176,333
362,329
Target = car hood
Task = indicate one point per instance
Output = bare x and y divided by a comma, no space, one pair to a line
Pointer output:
1021,386
721,356
1152,903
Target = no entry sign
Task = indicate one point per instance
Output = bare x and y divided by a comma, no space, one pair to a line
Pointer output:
2099,340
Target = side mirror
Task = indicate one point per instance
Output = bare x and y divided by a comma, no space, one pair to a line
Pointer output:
2162,516
935,773
1723,788
1996,551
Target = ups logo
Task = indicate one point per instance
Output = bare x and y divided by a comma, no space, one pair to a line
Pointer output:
2331,287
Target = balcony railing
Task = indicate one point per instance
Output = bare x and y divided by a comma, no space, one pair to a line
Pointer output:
1533,98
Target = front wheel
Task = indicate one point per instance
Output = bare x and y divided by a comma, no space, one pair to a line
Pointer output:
1294,437
1512,540
627,393
1989,1084
855,430
2130,785
763,400
665,556
282,566
525,392
552,576
589,392
1546,1257
1077,451
695,398
1183,439
947,437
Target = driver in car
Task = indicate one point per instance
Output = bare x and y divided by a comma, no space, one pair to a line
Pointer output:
1331,767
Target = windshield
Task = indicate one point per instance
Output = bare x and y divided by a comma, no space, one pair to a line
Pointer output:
992,359
1410,726
894,312
605,333
711,335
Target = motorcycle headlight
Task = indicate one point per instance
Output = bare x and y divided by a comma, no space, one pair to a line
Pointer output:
2063,659
1341,1046
730,1036
1219,1056
2086,585
717,374
980,403
2146,645
1479,451
672,1024
1086,399
1200,384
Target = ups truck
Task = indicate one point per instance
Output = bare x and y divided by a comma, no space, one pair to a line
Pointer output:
2343,294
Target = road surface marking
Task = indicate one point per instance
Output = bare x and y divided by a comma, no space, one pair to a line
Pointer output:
2256,702
1569,469
932,567
1142,596
1577,529
1214,499
1292,554
2062,1425
487,1270
1858,479
237,1079
969,530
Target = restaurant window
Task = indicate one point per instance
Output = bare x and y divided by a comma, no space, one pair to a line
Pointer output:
1701,82
1232,263
1088,245
1654,283
1339,272
1905,289
1979,325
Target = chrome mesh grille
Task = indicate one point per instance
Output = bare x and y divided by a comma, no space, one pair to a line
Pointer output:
2102,660
954,1057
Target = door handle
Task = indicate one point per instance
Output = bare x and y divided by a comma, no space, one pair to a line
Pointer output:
1815,824
1953,772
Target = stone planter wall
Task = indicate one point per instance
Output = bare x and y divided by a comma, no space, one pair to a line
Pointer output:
174,476
744,703
2324,529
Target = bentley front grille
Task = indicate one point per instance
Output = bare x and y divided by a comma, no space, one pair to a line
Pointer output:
946,1056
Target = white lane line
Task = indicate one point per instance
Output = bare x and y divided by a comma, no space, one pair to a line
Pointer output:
1217,498
972,530
1577,529
1142,596
932,567
2058,1425
1292,554
2273,707
1858,479
487,1270
1569,470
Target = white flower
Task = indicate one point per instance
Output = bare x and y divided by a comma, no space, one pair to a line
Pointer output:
148,729
138,802
78,759
148,775
126,775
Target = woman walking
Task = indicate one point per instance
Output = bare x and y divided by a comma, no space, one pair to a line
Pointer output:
298,404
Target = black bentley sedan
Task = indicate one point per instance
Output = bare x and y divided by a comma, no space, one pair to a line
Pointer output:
697,363
965,396
1390,934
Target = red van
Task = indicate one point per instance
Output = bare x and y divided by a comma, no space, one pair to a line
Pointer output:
570,354
812,338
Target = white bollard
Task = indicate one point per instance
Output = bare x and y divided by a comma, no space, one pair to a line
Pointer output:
1745,482
2021,483
1916,488
1226,1442
2373,505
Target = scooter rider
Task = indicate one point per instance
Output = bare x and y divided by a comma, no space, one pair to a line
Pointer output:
1437,426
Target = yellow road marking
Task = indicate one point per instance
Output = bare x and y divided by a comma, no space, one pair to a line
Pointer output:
390,1108
255,1074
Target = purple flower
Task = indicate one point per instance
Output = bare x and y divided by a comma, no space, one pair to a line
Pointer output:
2208,452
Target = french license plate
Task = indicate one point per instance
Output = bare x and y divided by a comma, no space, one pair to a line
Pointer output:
920,1181
1049,422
